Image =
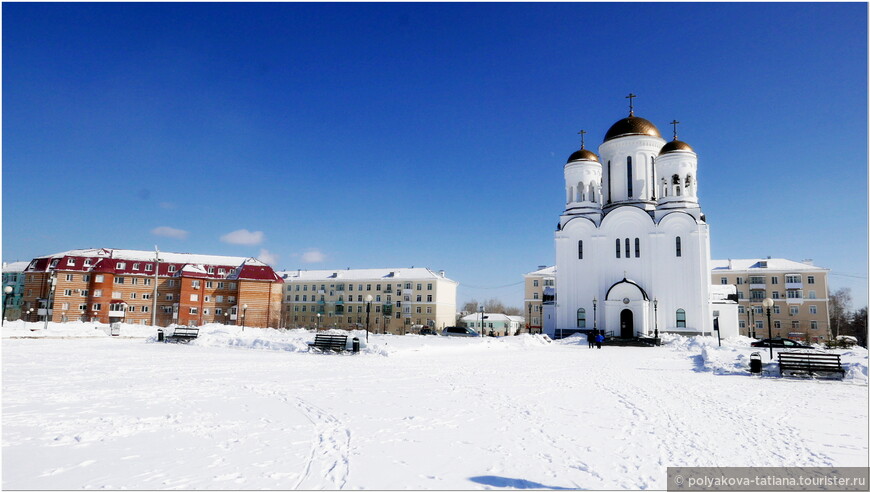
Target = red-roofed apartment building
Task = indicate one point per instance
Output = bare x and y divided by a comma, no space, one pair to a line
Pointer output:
119,285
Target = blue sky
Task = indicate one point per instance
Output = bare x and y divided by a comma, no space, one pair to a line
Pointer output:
398,135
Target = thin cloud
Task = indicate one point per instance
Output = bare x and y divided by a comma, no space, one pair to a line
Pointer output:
244,236
268,257
313,256
169,232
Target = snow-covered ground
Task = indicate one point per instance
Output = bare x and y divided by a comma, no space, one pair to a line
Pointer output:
235,410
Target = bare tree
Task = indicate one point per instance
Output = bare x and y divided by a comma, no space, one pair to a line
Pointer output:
838,310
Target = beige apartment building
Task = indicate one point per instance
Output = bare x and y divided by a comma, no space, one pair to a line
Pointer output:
535,283
403,300
799,291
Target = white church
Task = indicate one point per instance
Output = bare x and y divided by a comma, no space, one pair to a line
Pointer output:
633,246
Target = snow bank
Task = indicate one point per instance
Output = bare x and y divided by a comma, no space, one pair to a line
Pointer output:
734,354
71,329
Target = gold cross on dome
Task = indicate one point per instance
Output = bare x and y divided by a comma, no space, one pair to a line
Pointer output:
582,134
630,98
675,123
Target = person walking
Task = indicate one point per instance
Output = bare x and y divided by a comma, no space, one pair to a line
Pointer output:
598,339
590,337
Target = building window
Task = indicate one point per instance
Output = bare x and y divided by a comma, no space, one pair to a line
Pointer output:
535,295
579,252
194,310
617,248
194,297
535,282
792,279
681,318
70,262
581,318
723,280
87,262
795,325
170,297
69,277
171,268
637,247
757,309
794,294
630,185
98,293
680,250
132,295
793,310
428,286
777,324
99,279
67,292
120,265
627,248
811,279
135,266
145,309
97,307
742,325
812,294
813,310
759,325
776,310
119,280
429,298
814,325
194,284
149,267
774,280
774,294
741,309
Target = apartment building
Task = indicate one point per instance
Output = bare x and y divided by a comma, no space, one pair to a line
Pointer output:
403,300
535,283
13,278
108,285
799,291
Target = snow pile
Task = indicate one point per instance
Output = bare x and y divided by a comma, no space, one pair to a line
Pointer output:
734,355
71,329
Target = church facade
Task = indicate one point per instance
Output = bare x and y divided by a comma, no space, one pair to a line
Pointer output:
633,245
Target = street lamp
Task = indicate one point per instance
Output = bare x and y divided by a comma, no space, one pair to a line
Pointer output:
317,328
244,313
29,313
768,303
6,290
226,317
52,281
656,309
481,321
368,310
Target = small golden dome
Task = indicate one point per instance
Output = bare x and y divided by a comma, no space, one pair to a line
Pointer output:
674,146
632,125
583,154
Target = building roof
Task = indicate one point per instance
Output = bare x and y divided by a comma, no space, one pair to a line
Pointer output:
364,274
107,260
15,266
543,271
493,317
763,264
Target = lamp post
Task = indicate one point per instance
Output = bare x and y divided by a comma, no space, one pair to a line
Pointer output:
227,318
368,310
481,321
768,303
656,316
6,290
244,313
595,316
29,313
317,327
750,315
50,297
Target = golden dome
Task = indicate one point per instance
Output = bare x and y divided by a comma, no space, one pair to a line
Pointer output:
675,145
583,154
632,125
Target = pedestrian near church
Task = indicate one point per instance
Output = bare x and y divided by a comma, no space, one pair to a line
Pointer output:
591,338
598,339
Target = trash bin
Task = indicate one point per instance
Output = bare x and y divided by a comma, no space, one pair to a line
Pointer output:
755,363
355,344
159,335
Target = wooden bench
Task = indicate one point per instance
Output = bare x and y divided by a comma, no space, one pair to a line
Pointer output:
322,342
810,363
183,334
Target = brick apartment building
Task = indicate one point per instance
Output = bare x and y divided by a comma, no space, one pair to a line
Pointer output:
108,285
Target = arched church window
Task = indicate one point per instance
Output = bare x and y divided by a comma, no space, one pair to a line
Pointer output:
681,318
637,247
678,191
617,247
679,246
570,194
627,249
630,188
580,250
688,180
675,179
581,192
581,318
609,195
592,192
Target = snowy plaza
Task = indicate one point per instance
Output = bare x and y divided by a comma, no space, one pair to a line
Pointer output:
254,409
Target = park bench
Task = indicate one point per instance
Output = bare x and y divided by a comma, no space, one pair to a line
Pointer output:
183,334
323,342
810,363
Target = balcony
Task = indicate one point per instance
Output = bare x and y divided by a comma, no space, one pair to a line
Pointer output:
339,302
757,286
117,314
794,285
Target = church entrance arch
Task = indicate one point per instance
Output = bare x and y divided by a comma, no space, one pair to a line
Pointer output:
626,324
